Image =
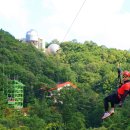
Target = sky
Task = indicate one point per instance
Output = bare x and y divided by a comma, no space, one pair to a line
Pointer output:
105,22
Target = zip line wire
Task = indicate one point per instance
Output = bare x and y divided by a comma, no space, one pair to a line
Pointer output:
74,20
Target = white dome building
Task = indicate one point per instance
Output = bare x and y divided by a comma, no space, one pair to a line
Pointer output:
31,36
53,48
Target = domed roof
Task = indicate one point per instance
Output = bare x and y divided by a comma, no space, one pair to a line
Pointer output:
53,48
31,35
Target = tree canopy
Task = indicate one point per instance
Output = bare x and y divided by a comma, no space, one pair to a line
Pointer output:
92,68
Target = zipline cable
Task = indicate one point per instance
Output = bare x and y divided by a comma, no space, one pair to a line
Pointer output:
74,20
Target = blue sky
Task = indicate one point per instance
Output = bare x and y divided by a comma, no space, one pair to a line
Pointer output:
126,6
106,22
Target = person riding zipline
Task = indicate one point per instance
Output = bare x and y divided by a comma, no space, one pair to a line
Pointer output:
119,96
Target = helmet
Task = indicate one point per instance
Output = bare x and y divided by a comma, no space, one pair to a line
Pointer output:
126,73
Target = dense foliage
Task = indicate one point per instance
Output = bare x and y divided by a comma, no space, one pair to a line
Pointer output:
91,67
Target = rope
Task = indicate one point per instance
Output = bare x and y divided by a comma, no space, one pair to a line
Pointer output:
74,20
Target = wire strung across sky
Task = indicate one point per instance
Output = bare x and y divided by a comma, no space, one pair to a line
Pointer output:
74,20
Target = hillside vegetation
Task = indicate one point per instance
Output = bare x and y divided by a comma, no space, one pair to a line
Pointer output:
92,68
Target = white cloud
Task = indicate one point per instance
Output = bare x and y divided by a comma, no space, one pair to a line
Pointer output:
101,21
13,13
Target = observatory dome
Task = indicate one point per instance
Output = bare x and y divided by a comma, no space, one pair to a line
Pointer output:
53,48
31,35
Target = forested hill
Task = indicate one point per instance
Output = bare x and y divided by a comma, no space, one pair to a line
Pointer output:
92,68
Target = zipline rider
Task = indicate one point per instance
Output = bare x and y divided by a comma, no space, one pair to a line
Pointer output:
117,97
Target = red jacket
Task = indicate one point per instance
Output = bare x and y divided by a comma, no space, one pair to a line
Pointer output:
123,88
123,91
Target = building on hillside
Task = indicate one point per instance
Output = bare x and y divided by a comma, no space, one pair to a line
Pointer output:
15,94
55,91
33,38
63,85
53,48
